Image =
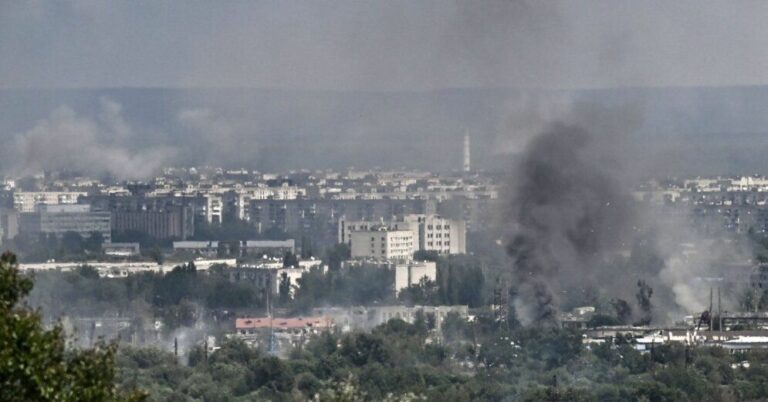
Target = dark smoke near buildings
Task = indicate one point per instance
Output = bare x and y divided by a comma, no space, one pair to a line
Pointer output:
570,218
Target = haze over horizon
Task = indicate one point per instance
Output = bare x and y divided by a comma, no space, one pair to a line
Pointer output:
366,84
393,45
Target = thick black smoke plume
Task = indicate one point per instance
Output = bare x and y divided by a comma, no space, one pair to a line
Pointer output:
569,215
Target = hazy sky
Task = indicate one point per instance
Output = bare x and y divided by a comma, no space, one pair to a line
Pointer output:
382,45
426,47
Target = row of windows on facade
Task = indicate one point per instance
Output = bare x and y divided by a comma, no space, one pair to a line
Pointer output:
384,252
394,244
389,316
383,239
432,235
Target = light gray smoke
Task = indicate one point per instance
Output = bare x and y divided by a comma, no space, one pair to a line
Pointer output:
67,141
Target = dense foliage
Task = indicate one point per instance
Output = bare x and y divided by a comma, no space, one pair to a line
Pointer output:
488,359
34,365
177,297
70,246
481,361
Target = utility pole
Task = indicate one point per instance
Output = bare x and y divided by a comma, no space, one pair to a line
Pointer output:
205,349
710,309
719,311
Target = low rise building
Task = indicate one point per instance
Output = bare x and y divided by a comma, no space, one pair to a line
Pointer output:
270,248
365,318
268,276
123,269
196,247
237,248
412,272
280,334
121,249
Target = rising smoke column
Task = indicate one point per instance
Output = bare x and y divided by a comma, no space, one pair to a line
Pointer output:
568,215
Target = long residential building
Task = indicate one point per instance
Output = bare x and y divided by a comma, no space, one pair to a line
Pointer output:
170,223
27,201
431,232
60,219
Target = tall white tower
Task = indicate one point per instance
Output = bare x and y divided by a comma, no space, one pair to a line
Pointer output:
467,166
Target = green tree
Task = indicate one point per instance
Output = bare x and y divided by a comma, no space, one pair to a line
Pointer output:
35,365
454,327
284,289
336,255
424,293
93,242
290,260
72,242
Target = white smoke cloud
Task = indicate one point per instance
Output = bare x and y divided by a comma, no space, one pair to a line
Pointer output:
67,141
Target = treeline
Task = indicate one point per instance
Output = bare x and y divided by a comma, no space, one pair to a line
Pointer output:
180,295
460,280
487,360
71,246
177,297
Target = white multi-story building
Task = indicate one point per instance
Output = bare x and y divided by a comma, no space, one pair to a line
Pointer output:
382,243
430,232
445,236
214,208
26,201
237,200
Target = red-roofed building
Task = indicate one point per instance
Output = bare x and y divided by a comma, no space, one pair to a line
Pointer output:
287,332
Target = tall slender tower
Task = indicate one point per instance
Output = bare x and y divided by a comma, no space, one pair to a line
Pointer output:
467,166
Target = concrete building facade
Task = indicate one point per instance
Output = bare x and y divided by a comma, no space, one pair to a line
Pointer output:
60,219
431,232
412,272
382,243
170,223
27,201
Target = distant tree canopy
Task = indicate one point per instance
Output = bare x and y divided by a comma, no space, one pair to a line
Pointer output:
336,255
172,296
35,365
68,246
475,361
354,286
290,260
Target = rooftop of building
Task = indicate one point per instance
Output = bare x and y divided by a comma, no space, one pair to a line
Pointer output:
283,323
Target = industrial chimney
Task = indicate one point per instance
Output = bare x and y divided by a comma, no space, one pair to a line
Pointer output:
467,166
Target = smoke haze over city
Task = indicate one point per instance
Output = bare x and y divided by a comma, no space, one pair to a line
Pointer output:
393,200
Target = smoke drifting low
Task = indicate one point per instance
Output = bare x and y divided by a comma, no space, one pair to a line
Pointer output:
66,141
105,139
